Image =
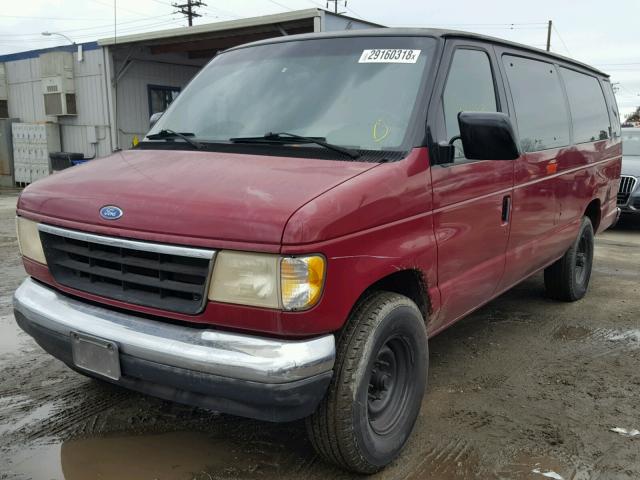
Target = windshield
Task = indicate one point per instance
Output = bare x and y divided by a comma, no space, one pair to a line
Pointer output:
631,142
356,92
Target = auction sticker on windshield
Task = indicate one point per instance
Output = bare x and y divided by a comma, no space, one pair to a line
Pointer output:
389,55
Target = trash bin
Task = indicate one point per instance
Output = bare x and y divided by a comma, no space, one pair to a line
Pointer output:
62,160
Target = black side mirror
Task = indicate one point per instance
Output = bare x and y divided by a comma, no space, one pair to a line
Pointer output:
154,118
487,136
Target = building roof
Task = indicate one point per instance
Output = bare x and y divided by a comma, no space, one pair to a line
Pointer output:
10,57
198,30
427,32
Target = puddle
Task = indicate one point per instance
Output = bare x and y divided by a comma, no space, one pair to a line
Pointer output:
11,338
535,468
624,336
571,332
175,456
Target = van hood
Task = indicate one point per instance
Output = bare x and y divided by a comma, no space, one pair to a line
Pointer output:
211,195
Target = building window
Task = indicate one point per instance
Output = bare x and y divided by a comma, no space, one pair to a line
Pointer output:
160,97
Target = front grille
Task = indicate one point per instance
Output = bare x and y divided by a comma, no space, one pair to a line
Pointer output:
627,184
142,273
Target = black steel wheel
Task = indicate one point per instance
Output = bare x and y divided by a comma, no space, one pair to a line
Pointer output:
568,278
378,384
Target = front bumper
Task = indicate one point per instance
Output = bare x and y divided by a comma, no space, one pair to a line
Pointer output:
263,378
632,206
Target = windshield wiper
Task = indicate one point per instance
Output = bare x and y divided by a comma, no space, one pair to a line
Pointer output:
286,137
167,134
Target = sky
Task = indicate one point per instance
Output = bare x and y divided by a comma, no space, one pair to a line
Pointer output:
603,34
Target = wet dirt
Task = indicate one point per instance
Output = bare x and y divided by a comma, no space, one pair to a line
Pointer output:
525,388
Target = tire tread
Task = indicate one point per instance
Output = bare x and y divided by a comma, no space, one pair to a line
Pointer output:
330,427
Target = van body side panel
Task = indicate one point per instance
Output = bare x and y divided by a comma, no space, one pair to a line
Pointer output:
389,209
590,172
470,232
536,212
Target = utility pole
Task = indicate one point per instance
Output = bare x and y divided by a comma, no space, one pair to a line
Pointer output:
549,35
187,9
335,6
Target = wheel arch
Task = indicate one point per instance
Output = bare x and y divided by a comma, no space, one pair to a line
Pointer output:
409,282
594,213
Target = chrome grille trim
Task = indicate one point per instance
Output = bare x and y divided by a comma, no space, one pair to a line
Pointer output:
132,244
627,186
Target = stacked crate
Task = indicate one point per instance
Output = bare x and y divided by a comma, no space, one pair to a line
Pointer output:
32,143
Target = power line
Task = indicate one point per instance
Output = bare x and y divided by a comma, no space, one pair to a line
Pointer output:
48,18
94,35
97,28
111,5
562,41
281,5
616,64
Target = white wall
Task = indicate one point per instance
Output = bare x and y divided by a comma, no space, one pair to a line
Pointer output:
132,93
26,101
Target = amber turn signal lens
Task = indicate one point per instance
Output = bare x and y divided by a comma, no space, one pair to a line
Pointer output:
301,281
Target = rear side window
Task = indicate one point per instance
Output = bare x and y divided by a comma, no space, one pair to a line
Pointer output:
613,109
540,105
588,107
469,87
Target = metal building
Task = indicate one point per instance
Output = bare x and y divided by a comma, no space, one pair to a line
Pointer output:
100,95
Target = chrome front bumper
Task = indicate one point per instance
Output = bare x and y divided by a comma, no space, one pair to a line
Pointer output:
232,360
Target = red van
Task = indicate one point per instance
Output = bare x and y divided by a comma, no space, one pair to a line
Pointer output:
308,212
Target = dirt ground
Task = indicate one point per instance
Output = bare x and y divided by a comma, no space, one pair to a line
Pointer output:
525,388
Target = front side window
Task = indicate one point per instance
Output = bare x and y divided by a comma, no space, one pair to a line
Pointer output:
588,107
540,105
469,87
355,92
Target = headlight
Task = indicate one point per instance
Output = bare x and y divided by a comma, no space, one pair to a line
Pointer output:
301,279
245,278
271,281
29,240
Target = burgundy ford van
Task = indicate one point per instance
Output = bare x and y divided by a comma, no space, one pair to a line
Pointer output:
309,212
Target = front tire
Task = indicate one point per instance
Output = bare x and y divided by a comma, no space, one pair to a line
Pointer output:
568,278
376,392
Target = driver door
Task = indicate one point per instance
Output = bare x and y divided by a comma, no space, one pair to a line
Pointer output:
471,199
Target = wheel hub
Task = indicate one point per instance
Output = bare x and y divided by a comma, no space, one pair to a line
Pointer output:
388,385
581,260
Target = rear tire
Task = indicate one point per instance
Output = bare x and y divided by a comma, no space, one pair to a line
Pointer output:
568,279
377,388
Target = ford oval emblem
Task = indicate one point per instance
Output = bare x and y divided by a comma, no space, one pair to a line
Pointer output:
110,212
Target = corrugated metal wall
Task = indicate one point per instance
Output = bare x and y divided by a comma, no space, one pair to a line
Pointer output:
26,101
132,95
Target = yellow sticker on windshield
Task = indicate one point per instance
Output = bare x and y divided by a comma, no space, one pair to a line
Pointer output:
380,130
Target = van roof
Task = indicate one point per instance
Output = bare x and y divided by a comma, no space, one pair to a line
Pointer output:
424,32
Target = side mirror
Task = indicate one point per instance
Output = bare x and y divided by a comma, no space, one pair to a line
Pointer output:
487,136
154,118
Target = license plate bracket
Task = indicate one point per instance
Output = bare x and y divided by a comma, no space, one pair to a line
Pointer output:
95,355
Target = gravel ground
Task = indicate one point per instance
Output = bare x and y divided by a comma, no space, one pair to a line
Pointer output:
525,388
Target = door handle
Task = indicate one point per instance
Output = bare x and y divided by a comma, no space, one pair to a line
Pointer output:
506,209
